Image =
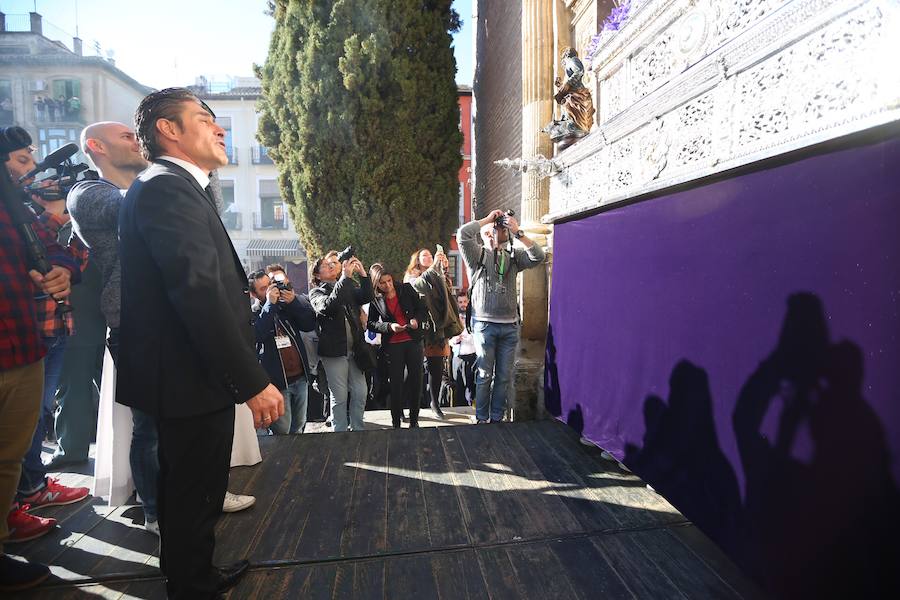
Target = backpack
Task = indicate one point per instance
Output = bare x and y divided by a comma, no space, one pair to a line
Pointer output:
479,268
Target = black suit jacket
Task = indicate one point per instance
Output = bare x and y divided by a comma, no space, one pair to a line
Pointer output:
186,346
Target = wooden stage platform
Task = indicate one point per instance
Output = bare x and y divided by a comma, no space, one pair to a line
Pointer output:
513,510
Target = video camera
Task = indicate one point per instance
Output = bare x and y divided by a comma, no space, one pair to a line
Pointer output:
67,174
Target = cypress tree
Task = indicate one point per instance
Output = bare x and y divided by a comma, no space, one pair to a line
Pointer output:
359,111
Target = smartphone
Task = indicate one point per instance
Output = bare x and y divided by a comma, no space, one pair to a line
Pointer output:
440,249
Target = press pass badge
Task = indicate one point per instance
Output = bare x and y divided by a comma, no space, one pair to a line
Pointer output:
282,341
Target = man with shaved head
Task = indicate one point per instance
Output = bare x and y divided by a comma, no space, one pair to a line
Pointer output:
94,207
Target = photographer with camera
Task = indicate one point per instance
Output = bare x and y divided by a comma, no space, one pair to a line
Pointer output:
22,353
427,274
492,269
281,351
337,300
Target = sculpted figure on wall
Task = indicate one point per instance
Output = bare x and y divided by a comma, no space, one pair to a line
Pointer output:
578,107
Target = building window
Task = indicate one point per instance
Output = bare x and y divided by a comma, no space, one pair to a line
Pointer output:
272,212
231,215
462,204
7,118
65,102
51,138
225,123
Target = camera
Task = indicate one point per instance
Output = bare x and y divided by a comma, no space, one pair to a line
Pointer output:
279,281
347,253
502,220
67,175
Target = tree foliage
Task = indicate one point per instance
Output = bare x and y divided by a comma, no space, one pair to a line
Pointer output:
359,112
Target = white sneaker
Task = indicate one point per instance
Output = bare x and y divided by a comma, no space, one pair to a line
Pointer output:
152,527
236,502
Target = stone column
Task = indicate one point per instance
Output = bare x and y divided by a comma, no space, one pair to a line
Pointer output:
537,110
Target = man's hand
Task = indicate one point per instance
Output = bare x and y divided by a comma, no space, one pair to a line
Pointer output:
55,283
397,328
491,217
273,294
267,406
288,296
413,324
512,225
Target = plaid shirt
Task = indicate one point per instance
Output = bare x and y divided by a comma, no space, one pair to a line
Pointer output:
50,323
20,343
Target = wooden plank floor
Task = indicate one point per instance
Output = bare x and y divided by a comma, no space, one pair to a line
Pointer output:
515,510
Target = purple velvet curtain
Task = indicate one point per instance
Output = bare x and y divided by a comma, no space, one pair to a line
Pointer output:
738,346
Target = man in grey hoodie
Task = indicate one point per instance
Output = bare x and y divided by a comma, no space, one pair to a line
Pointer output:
492,268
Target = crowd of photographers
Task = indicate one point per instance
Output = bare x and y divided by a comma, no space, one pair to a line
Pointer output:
360,335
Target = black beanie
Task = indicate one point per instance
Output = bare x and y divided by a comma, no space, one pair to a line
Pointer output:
13,138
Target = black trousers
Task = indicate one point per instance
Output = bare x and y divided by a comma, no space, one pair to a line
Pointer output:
194,458
405,356
439,381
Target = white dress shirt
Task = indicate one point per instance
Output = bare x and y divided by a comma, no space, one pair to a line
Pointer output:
195,171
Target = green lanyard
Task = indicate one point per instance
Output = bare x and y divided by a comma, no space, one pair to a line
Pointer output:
503,264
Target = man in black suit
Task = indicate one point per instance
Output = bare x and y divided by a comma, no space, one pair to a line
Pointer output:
186,347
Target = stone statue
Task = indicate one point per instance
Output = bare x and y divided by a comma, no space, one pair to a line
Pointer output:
578,107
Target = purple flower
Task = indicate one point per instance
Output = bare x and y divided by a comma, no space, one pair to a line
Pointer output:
617,17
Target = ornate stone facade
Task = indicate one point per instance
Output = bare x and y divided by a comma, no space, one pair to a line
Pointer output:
689,88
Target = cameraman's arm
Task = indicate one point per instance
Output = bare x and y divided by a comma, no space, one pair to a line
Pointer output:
469,244
302,313
530,257
363,294
330,305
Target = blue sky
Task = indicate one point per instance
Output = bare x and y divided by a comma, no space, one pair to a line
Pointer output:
204,37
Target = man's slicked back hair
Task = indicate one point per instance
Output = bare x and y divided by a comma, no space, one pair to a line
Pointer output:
164,104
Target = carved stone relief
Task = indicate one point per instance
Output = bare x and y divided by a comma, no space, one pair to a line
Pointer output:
718,83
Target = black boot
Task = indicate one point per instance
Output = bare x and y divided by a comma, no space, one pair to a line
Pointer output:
438,413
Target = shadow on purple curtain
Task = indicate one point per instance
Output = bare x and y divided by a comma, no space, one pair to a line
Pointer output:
738,346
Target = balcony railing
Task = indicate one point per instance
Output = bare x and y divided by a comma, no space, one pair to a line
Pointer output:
47,116
232,153
269,221
232,221
261,156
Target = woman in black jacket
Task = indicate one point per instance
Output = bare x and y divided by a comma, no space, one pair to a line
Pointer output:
337,300
397,314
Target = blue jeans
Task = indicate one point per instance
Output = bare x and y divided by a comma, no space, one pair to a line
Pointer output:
144,459
294,418
34,473
344,378
495,356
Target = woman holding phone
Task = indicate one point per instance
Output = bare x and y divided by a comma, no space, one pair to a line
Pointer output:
397,313
427,274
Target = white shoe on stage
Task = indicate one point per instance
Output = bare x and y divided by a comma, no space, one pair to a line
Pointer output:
152,527
236,502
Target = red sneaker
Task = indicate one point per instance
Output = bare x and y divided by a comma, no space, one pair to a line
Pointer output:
55,494
24,527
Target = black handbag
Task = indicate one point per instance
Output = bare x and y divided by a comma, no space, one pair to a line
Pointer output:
363,353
